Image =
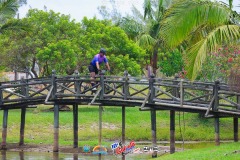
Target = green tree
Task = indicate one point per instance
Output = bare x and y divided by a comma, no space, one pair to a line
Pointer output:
60,56
171,62
149,38
49,31
144,28
200,26
8,9
56,43
122,53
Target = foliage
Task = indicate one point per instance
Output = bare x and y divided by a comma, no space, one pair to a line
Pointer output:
56,43
8,9
144,28
48,32
170,62
60,56
54,34
123,54
219,64
209,25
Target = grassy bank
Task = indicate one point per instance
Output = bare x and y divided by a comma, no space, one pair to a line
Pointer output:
227,151
39,126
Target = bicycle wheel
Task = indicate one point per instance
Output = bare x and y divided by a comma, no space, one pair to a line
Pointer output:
110,88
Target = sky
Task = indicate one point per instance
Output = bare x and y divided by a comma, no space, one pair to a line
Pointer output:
77,9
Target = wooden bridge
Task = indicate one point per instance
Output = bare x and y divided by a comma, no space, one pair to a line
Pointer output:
213,100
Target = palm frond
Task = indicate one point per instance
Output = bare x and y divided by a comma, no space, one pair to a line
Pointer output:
196,55
145,40
184,16
8,9
148,9
14,25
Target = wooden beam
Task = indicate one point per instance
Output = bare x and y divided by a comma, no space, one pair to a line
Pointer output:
217,134
4,130
56,128
154,129
75,126
100,125
172,131
22,126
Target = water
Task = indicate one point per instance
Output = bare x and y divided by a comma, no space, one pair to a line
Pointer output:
6,155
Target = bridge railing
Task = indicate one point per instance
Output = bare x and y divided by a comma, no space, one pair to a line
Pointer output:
125,90
23,91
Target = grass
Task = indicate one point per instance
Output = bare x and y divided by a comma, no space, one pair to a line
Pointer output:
227,151
39,126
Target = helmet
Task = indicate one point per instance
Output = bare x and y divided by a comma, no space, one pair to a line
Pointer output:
102,50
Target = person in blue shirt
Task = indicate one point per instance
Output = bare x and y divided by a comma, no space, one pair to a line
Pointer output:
94,66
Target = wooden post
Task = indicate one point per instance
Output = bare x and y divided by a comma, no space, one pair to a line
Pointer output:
153,115
56,128
235,123
101,109
215,108
75,112
100,125
123,128
126,94
54,84
75,126
217,137
154,129
1,94
235,126
175,93
172,131
22,126
215,94
25,91
4,129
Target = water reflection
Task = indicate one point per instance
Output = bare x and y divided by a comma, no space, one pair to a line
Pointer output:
10,155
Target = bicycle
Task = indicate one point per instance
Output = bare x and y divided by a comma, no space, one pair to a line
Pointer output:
87,88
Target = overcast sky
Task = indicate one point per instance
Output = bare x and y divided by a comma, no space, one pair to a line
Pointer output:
77,9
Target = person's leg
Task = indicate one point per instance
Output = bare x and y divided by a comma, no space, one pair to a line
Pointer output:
92,74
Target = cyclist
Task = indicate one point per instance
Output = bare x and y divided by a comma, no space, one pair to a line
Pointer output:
94,66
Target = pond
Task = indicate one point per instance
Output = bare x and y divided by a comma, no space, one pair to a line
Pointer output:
8,155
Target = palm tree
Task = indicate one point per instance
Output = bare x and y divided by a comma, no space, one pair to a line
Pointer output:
149,38
8,9
199,26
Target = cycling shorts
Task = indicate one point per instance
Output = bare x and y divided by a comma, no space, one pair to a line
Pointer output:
92,68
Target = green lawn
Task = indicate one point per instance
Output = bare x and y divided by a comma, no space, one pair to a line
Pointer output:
229,151
39,126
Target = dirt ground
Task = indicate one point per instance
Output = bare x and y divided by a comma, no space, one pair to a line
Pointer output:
41,148
63,149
